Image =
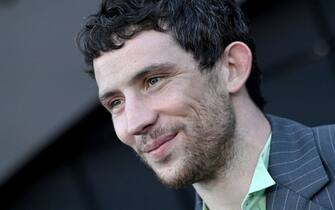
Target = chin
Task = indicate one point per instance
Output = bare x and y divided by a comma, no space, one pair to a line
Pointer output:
175,175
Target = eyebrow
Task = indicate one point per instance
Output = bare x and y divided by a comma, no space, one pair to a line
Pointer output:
140,74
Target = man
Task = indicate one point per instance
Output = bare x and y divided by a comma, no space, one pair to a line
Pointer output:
180,80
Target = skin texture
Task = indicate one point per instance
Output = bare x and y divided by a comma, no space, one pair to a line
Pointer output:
179,120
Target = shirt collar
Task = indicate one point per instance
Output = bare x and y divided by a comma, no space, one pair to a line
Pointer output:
261,178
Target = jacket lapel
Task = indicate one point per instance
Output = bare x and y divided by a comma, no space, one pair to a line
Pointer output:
295,165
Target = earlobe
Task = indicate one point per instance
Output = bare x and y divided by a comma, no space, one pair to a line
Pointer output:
238,60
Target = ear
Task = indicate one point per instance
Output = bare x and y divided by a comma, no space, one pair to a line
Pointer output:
238,61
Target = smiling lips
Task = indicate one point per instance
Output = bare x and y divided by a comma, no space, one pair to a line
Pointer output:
155,147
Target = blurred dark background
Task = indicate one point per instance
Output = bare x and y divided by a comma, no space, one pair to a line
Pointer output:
58,149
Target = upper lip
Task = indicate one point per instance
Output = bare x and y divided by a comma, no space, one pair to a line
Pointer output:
156,143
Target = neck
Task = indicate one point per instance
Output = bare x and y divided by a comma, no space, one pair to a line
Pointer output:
252,131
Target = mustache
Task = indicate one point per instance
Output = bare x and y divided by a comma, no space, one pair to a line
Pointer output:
156,133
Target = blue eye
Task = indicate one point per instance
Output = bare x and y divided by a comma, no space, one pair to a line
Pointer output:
153,81
115,103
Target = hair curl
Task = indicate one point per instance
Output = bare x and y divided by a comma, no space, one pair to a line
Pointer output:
203,27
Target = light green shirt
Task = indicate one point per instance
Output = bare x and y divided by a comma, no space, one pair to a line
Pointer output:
256,199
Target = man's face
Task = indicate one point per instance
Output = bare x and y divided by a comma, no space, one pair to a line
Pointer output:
177,119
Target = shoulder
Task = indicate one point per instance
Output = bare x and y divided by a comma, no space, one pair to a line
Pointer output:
324,134
284,130
289,127
288,133
325,140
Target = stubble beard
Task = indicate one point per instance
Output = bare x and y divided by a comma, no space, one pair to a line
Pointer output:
208,148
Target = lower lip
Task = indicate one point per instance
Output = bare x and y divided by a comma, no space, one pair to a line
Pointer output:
162,151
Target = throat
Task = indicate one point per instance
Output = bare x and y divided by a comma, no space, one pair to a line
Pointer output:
228,189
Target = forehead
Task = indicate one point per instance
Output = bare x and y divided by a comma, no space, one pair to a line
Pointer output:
114,68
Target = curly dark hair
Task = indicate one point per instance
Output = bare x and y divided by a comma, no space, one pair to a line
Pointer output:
203,27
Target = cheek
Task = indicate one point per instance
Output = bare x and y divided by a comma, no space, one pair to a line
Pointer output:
178,96
120,128
178,104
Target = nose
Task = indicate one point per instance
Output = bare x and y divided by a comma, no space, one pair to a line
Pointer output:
140,116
